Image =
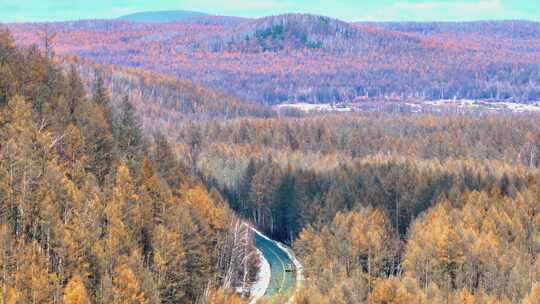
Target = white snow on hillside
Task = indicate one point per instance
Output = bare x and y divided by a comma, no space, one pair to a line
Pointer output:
313,107
462,105
503,106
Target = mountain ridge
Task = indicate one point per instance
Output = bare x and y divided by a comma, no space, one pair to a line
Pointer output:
316,59
291,31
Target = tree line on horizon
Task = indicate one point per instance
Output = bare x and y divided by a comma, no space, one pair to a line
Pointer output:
304,58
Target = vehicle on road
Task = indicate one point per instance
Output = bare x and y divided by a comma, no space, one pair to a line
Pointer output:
289,268
282,279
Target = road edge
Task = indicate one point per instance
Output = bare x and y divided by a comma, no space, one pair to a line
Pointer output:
263,279
298,266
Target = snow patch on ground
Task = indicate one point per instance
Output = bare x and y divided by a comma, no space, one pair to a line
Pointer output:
487,105
263,280
516,107
315,107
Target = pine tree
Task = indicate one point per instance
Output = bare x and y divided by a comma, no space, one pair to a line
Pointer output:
7,45
224,297
98,140
119,210
32,280
166,162
27,156
72,152
155,195
128,131
244,188
7,75
7,259
394,291
126,287
169,265
100,95
198,243
75,291
285,208
75,92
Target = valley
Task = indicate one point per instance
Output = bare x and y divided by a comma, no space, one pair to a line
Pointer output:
177,156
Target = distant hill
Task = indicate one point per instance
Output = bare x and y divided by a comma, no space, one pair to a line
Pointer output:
166,101
506,28
162,16
316,59
304,32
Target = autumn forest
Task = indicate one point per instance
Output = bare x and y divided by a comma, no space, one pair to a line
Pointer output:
134,164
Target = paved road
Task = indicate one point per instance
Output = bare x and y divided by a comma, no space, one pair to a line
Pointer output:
282,283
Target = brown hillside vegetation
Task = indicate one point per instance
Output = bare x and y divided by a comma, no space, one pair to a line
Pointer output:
133,191
93,211
306,58
388,208
162,99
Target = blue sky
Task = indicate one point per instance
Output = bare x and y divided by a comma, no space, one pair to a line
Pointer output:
350,10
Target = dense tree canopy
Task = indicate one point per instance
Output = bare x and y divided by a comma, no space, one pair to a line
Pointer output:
89,214
389,208
305,58
123,186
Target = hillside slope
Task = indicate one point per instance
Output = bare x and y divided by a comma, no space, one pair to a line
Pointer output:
304,32
165,101
305,58
94,211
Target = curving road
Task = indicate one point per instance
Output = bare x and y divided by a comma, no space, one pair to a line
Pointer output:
282,283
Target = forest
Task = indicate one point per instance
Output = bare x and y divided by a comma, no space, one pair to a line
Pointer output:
306,58
127,185
163,99
95,210
387,208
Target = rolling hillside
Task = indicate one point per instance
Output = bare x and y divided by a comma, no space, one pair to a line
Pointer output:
304,32
164,101
306,58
